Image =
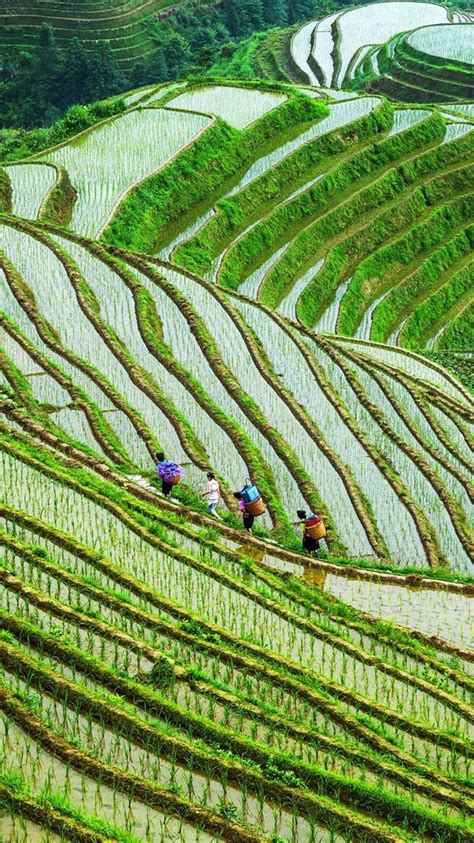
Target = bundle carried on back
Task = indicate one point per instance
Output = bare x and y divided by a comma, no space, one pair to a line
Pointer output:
314,526
170,472
252,499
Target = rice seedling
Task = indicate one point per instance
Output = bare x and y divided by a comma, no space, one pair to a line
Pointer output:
237,106
30,184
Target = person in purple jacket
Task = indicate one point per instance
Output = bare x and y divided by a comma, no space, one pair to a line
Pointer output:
163,466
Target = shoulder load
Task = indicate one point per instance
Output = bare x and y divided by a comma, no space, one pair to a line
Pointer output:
170,472
314,526
252,499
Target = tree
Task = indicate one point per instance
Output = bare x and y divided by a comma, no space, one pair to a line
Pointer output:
299,10
177,54
235,17
155,69
275,12
103,77
253,14
75,74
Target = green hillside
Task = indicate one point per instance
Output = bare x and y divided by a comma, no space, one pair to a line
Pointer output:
122,22
271,282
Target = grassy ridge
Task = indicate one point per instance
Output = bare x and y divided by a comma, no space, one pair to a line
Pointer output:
234,212
218,156
277,227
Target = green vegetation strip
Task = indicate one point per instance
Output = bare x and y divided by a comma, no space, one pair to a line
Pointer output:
372,166
409,180
234,213
213,631
163,799
219,155
272,766
50,337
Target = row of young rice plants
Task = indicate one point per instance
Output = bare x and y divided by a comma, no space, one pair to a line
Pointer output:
58,303
108,160
192,589
392,437
72,564
52,387
399,192
454,484
159,755
404,545
149,697
416,367
276,175
238,358
237,106
64,767
117,308
89,642
195,543
30,184
18,304
369,25
59,404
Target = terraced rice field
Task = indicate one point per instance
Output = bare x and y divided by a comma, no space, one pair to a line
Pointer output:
410,52
164,677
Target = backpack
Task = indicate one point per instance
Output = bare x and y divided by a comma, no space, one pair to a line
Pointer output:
250,493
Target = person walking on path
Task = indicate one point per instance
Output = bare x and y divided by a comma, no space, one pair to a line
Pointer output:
167,472
212,494
246,517
309,543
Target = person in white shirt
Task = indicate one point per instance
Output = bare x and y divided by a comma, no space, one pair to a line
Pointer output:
212,494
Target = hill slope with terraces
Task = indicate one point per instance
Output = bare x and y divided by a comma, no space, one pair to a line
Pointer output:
251,277
122,23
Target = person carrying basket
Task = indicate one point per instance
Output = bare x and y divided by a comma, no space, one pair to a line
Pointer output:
170,473
313,530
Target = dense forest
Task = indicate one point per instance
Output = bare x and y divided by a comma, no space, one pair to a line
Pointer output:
37,85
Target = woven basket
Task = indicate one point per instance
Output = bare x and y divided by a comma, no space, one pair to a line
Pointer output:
255,508
316,531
